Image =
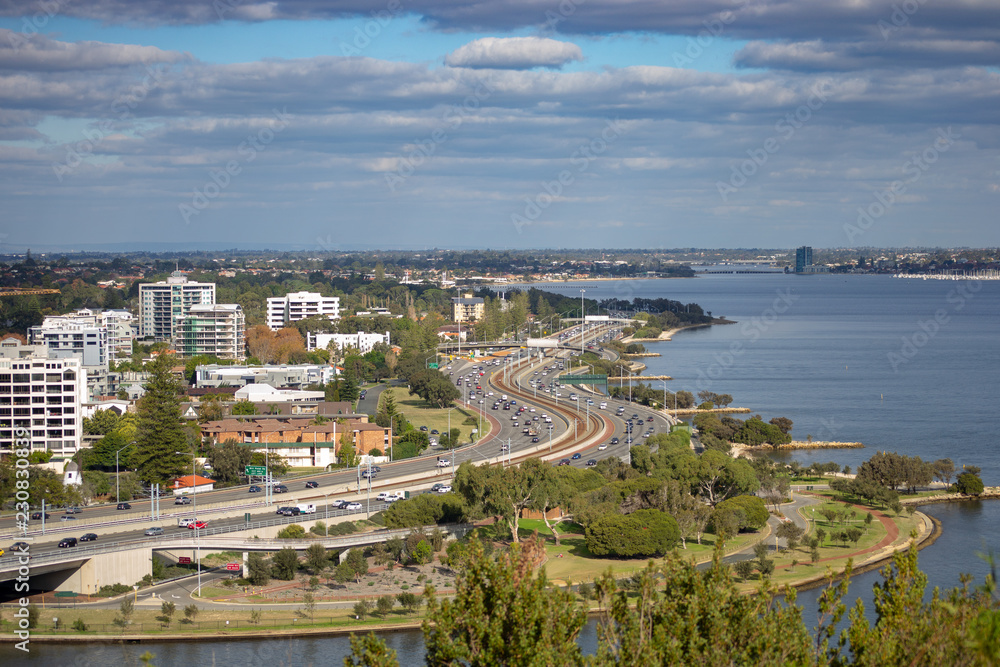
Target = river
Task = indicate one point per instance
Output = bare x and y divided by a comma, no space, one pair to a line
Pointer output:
903,365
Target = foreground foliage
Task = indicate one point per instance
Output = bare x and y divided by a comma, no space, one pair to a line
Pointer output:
672,614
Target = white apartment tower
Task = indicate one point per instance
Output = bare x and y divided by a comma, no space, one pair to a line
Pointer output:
282,310
163,304
40,399
218,329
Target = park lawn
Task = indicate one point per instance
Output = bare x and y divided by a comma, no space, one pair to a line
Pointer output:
419,414
527,526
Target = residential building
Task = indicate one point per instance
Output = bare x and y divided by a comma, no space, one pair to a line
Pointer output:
218,329
282,310
453,332
265,393
189,484
117,324
281,376
40,399
467,308
162,305
363,342
78,337
121,332
299,440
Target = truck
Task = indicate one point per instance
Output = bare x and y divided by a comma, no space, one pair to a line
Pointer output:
307,508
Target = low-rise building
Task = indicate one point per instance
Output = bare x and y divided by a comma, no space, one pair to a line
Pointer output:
283,310
292,376
361,341
467,308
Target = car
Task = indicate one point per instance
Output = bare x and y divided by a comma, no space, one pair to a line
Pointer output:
38,515
443,463
197,525
591,463
376,468
444,488
352,506
291,511
564,462
19,546
254,489
182,500
124,506
67,517
423,428
577,456
281,488
338,504
601,447
184,523
312,485
436,487
155,530
434,431
614,441
368,474
535,439
88,537
67,542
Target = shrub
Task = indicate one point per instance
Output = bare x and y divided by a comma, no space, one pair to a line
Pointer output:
79,625
292,532
754,508
643,533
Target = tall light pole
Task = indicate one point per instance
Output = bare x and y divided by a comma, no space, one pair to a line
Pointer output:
197,530
583,322
118,495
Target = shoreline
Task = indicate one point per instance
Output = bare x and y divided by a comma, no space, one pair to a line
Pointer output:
667,335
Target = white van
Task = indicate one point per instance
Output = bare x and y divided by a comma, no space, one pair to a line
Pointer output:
503,397
307,508
604,406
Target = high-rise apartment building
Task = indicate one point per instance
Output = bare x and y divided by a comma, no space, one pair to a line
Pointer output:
282,310
40,399
467,308
218,329
163,304
803,258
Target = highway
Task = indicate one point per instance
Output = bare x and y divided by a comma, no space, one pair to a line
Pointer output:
511,377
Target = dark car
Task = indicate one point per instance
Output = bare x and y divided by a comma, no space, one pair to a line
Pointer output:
38,515
376,468
338,504
577,455
281,488
255,489
291,511
19,548
124,506
535,439
281,510
88,537
182,500
423,428
564,462
312,485
434,431
592,462
614,441
67,542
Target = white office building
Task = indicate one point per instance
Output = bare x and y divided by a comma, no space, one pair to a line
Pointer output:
162,305
218,329
40,399
282,310
363,342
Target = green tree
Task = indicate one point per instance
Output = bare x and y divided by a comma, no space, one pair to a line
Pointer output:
167,610
369,650
503,614
191,613
644,533
970,484
409,601
358,563
258,572
384,605
159,432
744,569
316,558
347,457
244,407
755,511
284,564
361,610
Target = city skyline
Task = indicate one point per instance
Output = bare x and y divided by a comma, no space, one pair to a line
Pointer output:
419,125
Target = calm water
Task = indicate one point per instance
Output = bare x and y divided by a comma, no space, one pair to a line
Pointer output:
816,349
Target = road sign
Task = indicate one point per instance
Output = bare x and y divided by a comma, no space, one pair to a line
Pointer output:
233,567
583,379
434,366
184,560
256,471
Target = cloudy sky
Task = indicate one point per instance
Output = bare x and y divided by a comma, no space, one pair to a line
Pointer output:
500,123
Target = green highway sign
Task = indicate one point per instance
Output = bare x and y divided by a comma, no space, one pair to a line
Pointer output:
256,471
432,365
583,379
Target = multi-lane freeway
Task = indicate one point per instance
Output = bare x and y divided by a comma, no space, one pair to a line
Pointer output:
579,429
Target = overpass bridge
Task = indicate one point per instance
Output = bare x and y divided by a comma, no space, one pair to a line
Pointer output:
84,569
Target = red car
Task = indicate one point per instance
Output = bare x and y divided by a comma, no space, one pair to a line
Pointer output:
197,524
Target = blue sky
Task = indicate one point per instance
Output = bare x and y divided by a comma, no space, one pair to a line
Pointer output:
501,124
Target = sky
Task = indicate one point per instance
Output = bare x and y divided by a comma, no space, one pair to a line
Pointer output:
333,125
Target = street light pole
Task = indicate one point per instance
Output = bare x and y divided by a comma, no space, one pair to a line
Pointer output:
583,322
197,530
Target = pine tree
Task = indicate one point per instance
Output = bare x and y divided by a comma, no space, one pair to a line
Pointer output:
159,433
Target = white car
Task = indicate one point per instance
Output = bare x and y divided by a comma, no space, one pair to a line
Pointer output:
443,463
601,447
444,488
352,506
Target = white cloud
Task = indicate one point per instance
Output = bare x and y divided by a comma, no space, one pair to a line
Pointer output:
514,53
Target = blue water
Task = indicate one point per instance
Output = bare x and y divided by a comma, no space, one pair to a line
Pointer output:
826,362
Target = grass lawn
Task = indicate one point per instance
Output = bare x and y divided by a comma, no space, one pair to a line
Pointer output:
420,414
